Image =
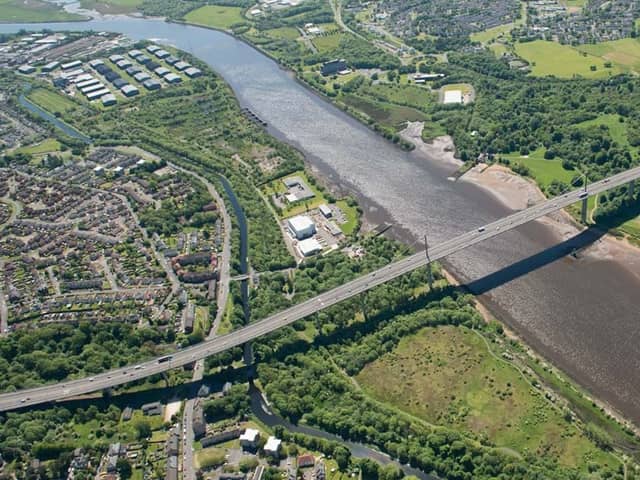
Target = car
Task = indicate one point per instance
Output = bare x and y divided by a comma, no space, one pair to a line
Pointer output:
481,229
108,377
137,367
91,379
22,400
498,227
606,180
583,195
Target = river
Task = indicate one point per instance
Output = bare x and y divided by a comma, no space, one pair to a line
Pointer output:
581,314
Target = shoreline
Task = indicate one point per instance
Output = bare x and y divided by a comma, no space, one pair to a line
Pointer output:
435,157
507,187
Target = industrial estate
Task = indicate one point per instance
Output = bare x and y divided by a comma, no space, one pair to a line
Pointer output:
189,292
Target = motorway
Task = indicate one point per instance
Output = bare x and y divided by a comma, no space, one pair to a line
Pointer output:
59,391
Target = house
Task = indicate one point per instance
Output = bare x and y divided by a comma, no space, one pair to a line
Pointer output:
162,71
141,77
272,447
333,67
134,53
180,66
119,83
232,476
94,63
116,58
249,439
161,53
220,437
306,460
151,409
153,48
301,227
171,60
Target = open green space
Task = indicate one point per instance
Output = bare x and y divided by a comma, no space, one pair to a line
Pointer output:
27,11
542,170
327,43
51,101
616,125
111,6
296,208
388,114
624,53
562,61
447,375
351,213
286,33
215,16
486,36
46,146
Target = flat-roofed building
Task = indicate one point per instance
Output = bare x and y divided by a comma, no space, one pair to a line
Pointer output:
116,58
309,247
193,72
71,65
301,226
152,84
88,83
161,54
109,99
82,78
325,210
129,91
153,48
134,53
171,60
173,78
162,71
272,447
92,88
249,438
97,94
95,62
26,69
180,66
50,67
143,59
141,77
124,64
119,83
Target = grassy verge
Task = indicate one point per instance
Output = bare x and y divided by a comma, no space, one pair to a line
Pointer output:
32,11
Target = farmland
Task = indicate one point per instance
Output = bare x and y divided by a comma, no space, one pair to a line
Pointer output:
26,11
215,16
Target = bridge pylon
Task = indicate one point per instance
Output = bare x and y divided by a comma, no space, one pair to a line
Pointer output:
631,188
429,271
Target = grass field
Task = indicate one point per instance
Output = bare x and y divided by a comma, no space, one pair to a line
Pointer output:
447,376
386,114
617,129
111,6
46,146
286,33
215,16
562,61
624,53
543,171
51,101
412,95
26,11
327,43
352,217
298,207
486,36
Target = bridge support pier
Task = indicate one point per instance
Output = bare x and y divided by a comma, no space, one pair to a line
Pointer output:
585,209
630,188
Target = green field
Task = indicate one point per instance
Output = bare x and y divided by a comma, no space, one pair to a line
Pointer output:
111,6
51,101
542,170
298,207
486,36
625,52
562,61
286,33
327,43
448,376
352,217
387,114
617,129
215,16
27,11
46,146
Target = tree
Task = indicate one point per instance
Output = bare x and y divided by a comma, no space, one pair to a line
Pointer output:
342,456
124,468
143,429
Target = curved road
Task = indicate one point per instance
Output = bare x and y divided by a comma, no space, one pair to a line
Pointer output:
51,393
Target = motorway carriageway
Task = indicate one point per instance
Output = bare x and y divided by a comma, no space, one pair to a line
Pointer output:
59,391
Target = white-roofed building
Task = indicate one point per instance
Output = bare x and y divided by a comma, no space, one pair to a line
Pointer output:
301,227
452,96
325,210
309,246
249,438
272,447
109,99
193,72
173,78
